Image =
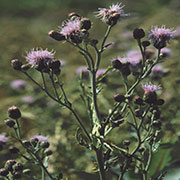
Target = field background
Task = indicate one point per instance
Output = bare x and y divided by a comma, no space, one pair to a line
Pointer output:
24,25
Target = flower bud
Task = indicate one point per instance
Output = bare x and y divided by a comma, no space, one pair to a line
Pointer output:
85,23
116,64
160,102
73,14
55,64
4,172
18,167
25,67
10,123
145,44
9,164
16,64
13,149
27,143
45,145
14,112
138,113
151,98
48,152
138,100
113,19
93,42
56,35
119,98
125,70
138,33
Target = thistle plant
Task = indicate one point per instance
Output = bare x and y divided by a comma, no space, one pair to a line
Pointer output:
139,107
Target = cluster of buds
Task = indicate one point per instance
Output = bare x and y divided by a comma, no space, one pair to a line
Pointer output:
12,169
13,113
41,60
39,144
74,30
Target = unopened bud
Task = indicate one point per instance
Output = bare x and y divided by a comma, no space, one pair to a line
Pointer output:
138,100
45,145
25,67
16,64
138,33
13,149
73,14
85,23
48,152
145,44
116,64
119,98
4,172
14,112
10,123
160,102
18,167
56,35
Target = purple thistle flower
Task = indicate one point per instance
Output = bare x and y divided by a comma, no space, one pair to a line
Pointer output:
111,15
27,99
3,139
134,57
160,36
34,57
157,69
177,32
70,27
166,52
149,87
82,70
18,84
72,32
40,138
122,60
100,72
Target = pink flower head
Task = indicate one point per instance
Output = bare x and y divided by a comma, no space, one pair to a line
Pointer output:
149,87
81,69
27,99
111,15
71,30
158,68
100,72
34,57
70,27
160,36
134,57
40,138
177,32
166,52
122,60
3,139
18,84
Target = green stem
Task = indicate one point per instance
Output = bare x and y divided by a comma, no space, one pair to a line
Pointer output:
61,103
100,163
43,174
18,129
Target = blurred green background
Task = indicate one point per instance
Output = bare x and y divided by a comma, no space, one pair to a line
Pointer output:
24,25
